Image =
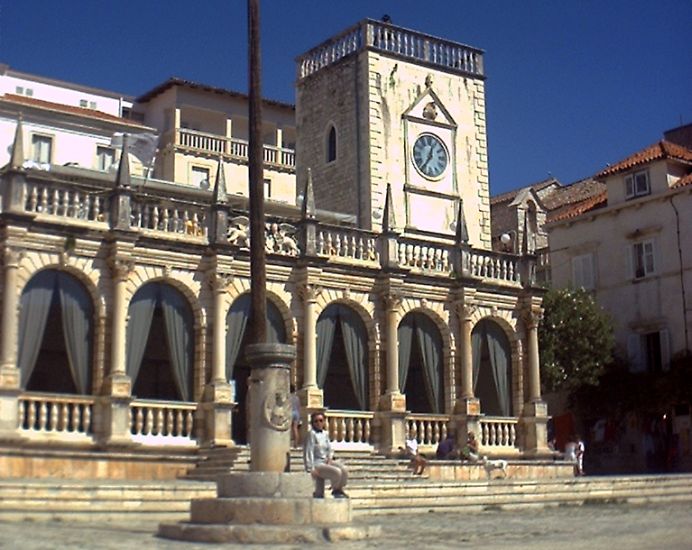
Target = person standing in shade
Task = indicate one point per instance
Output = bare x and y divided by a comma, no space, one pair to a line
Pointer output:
319,460
579,452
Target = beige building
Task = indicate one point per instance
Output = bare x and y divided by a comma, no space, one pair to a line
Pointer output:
125,297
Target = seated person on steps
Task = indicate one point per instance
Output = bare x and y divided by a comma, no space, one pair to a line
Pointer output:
446,449
417,463
319,460
470,452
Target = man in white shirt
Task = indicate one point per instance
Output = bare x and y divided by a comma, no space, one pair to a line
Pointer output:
319,460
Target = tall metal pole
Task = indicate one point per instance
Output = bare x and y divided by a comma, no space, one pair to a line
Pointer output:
258,312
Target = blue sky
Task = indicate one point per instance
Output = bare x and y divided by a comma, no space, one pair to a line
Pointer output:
571,86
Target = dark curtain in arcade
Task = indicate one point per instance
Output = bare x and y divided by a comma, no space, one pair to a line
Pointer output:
492,368
420,363
342,358
160,343
59,301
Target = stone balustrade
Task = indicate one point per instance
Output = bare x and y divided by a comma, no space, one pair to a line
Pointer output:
496,266
350,429
167,217
65,202
347,244
383,37
67,415
428,429
233,148
498,434
162,422
425,256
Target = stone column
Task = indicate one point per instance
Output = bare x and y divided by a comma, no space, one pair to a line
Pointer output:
467,408
311,397
117,388
535,418
391,416
217,404
9,373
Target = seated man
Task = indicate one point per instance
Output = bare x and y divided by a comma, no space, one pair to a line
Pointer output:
446,449
418,463
470,452
319,460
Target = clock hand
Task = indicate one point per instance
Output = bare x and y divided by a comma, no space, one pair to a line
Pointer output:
430,155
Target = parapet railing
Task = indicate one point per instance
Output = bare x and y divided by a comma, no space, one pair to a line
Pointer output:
350,430
405,43
65,201
58,415
162,422
166,216
232,148
340,243
425,256
428,429
498,434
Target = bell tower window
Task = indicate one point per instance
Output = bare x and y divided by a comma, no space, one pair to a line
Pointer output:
331,144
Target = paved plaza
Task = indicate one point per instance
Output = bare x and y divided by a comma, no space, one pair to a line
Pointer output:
589,527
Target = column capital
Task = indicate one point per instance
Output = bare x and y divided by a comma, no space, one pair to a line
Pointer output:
532,318
308,292
219,281
465,311
391,300
11,256
121,268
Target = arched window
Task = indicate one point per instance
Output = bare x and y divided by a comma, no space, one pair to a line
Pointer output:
492,368
160,343
331,144
342,358
237,369
58,359
420,363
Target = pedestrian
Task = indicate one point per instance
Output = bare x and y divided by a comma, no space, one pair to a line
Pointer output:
579,452
296,421
446,449
571,452
319,459
411,452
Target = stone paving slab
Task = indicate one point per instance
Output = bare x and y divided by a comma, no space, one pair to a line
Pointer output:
588,527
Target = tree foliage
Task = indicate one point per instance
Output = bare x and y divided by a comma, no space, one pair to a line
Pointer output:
576,340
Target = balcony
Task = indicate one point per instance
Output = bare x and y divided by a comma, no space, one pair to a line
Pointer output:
231,149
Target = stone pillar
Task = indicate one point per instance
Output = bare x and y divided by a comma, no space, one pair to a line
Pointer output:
117,387
467,408
393,399
217,405
535,418
311,397
9,373
269,405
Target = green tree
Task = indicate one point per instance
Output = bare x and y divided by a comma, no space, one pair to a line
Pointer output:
576,340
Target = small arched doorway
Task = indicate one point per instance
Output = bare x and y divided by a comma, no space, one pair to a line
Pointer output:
420,364
55,334
237,368
492,368
160,343
342,358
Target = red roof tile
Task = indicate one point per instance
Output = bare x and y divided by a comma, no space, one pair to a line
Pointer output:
657,151
577,209
683,182
69,109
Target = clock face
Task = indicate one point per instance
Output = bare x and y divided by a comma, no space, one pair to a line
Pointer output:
430,156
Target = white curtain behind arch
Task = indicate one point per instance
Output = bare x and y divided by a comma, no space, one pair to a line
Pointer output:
430,344
353,332
326,326
140,314
499,361
77,312
405,339
177,317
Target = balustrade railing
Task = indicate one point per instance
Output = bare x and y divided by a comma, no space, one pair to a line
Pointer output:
185,219
54,200
356,245
425,256
70,416
428,429
498,434
350,429
383,37
162,422
497,266
234,148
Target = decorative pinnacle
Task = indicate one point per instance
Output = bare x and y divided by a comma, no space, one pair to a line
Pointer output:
308,207
388,219
220,194
122,179
17,158
462,231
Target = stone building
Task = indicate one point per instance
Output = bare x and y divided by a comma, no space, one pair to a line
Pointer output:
125,293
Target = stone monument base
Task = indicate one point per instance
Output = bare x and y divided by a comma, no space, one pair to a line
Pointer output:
267,507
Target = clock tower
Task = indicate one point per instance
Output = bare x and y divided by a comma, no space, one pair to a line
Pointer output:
379,104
